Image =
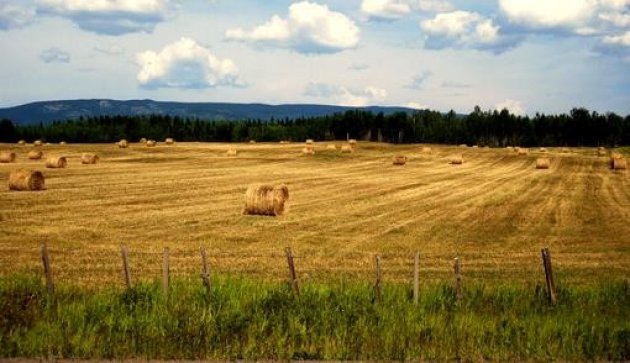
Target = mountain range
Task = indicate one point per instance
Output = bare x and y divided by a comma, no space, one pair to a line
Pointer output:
49,111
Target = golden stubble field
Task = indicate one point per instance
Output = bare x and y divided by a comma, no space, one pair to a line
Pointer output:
495,211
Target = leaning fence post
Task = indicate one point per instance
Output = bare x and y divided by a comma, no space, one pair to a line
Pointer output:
47,270
551,286
377,279
458,278
205,274
416,277
292,274
125,260
165,270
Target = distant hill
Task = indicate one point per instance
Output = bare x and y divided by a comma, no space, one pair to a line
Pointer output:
48,111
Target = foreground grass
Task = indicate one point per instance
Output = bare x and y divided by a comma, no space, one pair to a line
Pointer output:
247,319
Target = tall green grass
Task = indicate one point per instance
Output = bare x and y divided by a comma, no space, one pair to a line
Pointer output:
249,319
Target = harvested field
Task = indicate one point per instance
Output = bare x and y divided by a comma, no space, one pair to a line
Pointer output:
495,211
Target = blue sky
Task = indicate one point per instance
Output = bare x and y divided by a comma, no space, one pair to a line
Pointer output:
527,55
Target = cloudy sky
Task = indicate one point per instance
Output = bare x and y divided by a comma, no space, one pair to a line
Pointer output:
527,55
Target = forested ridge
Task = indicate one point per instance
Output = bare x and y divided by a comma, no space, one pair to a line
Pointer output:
580,127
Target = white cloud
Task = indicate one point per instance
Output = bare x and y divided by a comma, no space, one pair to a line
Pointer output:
515,107
54,55
345,96
462,29
385,9
432,6
185,64
548,13
622,39
309,28
15,16
418,81
111,17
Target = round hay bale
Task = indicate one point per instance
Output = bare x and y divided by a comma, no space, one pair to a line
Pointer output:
266,200
7,157
352,142
47,144
89,158
543,150
426,150
35,155
543,163
62,143
151,143
399,160
23,180
619,164
308,151
169,141
252,141
347,149
22,142
475,146
309,141
565,150
143,140
457,159
38,143
331,147
232,152
523,151
463,145
285,142
509,148
123,144
56,162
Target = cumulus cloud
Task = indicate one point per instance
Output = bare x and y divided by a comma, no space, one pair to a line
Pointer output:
308,28
54,55
418,81
185,64
548,13
462,29
515,107
432,6
15,16
110,17
385,9
345,96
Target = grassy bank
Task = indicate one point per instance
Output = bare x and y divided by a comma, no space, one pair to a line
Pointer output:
247,319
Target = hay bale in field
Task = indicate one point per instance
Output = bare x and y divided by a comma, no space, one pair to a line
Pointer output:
169,141
232,152
62,143
89,158
266,200
457,159
151,143
399,160
509,148
252,141
23,180
619,164
285,142
47,144
7,157
523,151
308,151
543,150
426,150
143,140
463,145
56,162
475,146
565,150
35,155
331,147
22,142
543,163
347,149
123,144
38,143
601,152
352,142
309,141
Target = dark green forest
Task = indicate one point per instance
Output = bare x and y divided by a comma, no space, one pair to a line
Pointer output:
580,127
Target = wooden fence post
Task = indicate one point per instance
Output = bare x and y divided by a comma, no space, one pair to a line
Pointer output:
47,269
292,275
458,278
551,286
126,272
205,274
416,278
165,271
377,279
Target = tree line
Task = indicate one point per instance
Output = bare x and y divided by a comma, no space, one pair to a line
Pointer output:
580,127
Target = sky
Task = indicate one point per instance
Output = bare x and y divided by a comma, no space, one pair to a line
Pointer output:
528,56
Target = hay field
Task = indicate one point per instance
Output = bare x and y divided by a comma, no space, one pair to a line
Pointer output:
495,211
